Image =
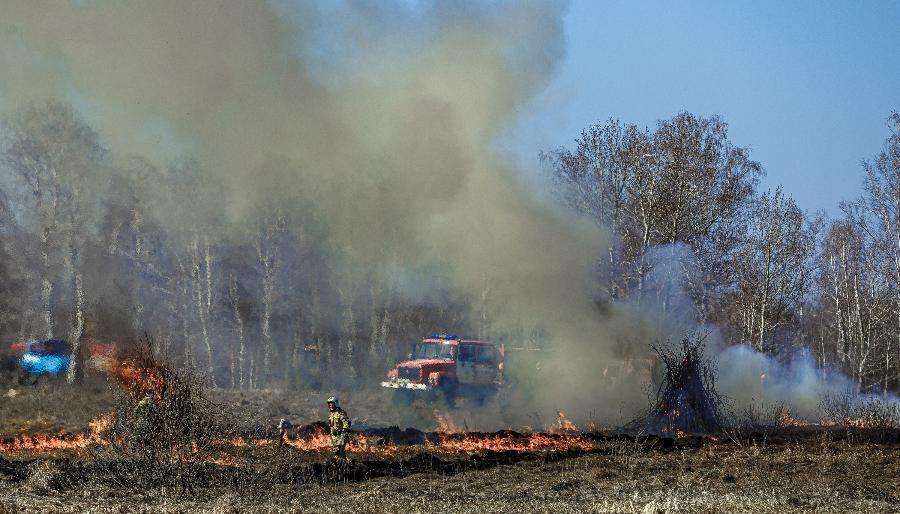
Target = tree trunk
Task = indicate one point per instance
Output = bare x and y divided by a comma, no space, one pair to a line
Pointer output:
201,263
348,332
78,321
46,285
234,299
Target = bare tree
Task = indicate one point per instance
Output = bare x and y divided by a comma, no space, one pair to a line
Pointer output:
707,182
853,295
882,202
597,179
234,302
267,244
773,266
684,183
53,152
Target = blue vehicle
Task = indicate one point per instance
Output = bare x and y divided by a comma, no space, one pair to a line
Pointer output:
50,357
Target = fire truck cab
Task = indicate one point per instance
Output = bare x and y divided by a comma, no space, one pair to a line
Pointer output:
449,366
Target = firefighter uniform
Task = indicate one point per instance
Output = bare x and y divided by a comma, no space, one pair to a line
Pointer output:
339,424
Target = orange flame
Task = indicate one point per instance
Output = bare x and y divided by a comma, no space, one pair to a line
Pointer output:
42,443
789,421
317,442
534,442
563,425
445,424
857,423
139,381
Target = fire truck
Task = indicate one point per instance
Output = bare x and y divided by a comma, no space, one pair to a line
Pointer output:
446,366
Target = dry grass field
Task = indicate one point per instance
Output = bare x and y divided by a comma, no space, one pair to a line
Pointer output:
826,471
814,473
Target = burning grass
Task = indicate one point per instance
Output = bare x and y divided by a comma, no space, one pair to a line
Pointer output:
165,432
310,440
801,472
143,449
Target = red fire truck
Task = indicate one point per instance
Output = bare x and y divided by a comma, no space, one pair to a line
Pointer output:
444,365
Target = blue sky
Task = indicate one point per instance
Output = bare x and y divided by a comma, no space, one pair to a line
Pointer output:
808,86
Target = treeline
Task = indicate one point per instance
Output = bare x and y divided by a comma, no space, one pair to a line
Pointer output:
683,199
95,246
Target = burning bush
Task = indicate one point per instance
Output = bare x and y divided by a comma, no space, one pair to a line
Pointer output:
163,423
686,401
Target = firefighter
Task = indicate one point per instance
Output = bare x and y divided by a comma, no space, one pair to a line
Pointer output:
339,423
284,427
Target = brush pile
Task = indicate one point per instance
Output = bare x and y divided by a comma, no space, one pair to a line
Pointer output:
686,401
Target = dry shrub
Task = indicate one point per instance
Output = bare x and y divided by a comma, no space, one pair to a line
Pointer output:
757,419
626,453
164,426
837,407
873,416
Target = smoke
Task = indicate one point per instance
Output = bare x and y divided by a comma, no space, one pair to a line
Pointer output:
744,376
747,376
376,120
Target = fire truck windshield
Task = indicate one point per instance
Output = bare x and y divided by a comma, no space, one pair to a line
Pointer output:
433,351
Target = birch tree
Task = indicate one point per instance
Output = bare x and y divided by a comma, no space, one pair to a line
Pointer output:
773,265
882,201
54,153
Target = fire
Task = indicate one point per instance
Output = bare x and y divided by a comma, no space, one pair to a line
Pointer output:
44,443
100,425
534,442
789,421
445,424
316,442
861,423
138,381
856,423
132,370
563,425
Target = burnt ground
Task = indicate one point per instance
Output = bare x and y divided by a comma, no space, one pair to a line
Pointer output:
823,471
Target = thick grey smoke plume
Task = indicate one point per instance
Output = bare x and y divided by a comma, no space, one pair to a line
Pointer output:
372,120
